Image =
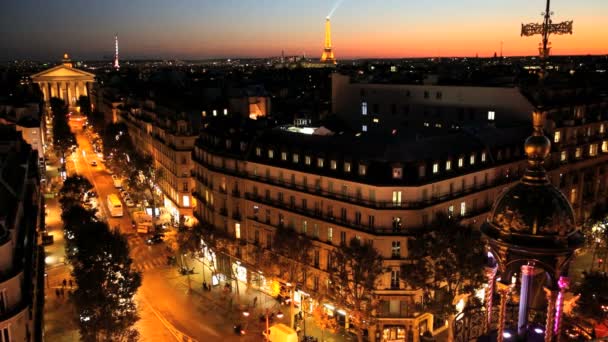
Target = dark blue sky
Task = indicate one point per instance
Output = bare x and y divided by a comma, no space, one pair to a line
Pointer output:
45,29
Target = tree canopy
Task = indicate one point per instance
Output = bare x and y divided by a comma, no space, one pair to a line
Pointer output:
63,138
355,270
593,296
447,260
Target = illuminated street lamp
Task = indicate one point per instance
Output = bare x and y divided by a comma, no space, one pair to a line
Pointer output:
267,316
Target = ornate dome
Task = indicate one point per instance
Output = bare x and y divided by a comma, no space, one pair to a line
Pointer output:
533,212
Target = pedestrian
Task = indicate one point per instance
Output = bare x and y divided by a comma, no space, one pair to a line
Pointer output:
57,293
62,292
70,283
204,285
255,301
64,282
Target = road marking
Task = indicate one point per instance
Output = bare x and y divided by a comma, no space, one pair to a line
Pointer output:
173,330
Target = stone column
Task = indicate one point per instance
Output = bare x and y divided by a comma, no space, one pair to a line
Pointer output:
505,292
551,298
68,86
53,89
491,276
44,89
527,272
86,89
77,87
564,284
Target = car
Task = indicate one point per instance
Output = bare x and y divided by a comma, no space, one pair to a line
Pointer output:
129,203
93,163
156,238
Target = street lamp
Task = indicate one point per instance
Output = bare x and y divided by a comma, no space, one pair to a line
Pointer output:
267,315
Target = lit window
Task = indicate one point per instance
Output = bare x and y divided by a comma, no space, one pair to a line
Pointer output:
578,152
563,156
448,165
320,162
396,249
362,169
491,115
214,112
472,159
397,172
426,124
483,157
593,150
237,230
333,164
296,158
307,160
186,200
225,111
363,108
397,197
557,136
283,155
604,146
346,167
573,195
463,208
364,128
602,129
258,151
460,162
450,211
270,154
330,233
376,120
435,167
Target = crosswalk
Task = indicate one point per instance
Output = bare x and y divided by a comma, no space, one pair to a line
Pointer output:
147,257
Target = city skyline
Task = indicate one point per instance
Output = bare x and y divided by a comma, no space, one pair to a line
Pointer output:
206,29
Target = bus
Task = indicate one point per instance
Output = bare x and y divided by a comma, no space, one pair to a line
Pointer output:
114,206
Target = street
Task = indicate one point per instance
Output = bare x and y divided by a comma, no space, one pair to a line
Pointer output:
168,309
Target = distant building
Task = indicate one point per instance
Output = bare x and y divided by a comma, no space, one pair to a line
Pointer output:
64,81
251,102
386,107
21,262
168,137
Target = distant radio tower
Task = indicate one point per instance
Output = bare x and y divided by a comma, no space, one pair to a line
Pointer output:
115,64
328,54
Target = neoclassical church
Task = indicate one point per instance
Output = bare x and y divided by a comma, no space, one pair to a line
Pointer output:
64,81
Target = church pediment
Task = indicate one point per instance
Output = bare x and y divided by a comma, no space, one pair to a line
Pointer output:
61,71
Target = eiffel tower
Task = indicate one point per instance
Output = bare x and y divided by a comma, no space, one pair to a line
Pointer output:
328,54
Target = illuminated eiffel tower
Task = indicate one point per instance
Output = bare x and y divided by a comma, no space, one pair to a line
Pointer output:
328,54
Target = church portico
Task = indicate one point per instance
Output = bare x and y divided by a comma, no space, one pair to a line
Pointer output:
64,82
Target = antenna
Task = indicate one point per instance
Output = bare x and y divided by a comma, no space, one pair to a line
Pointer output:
116,65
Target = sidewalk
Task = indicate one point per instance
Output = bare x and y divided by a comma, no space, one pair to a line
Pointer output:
231,306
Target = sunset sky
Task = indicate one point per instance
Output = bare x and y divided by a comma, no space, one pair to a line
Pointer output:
191,29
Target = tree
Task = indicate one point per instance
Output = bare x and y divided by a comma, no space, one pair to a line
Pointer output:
106,283
85,104
73,191
63,138
288,260
447,259
324,321
593,296
117,147
143,176
354,273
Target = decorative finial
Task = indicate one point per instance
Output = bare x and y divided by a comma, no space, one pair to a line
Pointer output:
537,148
66,56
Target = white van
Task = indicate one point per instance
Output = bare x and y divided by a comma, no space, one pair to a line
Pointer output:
117,181
142,222
281,333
